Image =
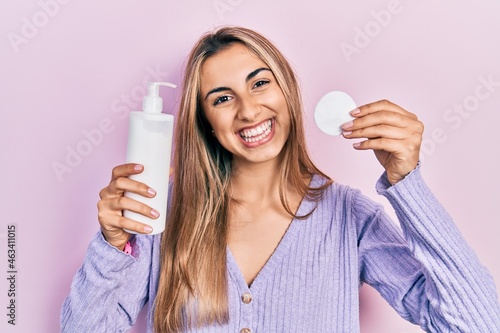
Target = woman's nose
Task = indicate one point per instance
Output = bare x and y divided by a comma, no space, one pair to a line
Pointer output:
248,110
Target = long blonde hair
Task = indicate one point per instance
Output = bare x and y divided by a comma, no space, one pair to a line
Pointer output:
193,284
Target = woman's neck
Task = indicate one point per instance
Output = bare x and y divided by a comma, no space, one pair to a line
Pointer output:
254,182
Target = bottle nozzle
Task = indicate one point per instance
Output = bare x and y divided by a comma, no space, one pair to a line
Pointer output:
153,103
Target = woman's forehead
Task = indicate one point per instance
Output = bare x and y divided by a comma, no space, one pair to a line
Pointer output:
236,55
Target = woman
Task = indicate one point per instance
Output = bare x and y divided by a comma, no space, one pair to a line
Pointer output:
257,238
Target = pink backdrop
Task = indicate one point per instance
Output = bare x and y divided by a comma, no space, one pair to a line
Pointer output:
71,71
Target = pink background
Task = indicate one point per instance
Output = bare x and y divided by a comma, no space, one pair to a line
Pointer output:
71,67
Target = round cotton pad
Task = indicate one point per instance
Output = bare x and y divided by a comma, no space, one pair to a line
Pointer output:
332,111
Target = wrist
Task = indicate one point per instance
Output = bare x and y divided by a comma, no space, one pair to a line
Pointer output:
119,244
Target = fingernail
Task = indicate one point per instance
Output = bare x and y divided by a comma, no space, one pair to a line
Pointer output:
151,192
356,145
355,111
154,213
148,229
137,167
347,125
346,133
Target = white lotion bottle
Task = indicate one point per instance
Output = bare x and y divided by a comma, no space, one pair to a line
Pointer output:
150,144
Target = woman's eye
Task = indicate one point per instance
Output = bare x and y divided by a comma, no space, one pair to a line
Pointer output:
221,99
260,83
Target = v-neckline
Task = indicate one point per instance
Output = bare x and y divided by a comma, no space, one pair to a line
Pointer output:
282,249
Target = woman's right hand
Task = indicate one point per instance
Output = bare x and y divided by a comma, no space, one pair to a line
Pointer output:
113,202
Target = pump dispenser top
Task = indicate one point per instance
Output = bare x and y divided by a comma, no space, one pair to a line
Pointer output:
153,103
150,144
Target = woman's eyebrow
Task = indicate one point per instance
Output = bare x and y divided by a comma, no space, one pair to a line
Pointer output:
255,72
216,90
248,78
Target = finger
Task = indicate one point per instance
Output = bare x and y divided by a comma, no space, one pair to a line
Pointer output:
377,131
383,105
120,185
124,203
114,223
381,117
405,147
126,170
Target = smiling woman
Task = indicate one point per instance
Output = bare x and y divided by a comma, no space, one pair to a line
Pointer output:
246,109
257,238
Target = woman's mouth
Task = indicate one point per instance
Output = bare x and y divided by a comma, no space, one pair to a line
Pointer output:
258,133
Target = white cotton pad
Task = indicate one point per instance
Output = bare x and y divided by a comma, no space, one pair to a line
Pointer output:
332,111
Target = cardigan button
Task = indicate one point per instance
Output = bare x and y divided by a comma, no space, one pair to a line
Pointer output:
246,298
245,330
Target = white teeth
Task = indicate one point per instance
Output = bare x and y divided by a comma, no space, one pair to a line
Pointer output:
257,133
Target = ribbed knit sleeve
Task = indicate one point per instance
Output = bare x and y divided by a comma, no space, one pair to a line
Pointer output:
110,288
431,277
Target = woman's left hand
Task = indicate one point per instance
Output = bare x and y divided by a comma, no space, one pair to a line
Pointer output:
394,134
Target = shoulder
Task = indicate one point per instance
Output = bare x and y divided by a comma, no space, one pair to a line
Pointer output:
335,199
344,203
342,212
334,192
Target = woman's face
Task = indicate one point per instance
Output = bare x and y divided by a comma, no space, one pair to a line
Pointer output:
244,105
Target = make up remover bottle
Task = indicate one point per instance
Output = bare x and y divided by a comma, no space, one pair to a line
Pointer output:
150,144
